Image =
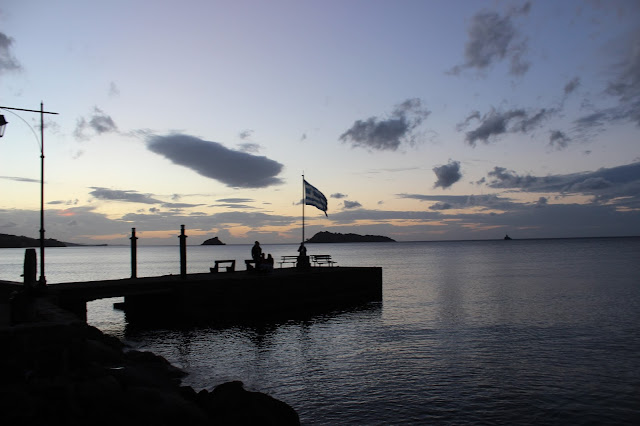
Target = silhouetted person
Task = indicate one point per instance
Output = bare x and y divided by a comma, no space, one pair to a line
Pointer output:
256,253
303,259
267,263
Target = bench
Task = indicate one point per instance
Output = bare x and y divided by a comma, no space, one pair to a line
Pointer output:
230,268
322,259
288,259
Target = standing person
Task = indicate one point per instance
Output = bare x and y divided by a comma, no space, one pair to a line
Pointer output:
303,259
256,253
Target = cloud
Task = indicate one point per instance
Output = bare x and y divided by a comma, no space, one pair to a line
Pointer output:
235,200
126,196
447,174
249,147
64,202
448,202
500,177
494,38
245,134
571,86
114,91
338,195
542,202
7,61
388,134
351,204
98,122
558,139
441,206
213,160
235,203
619,185
495,123
180,205
624,85
20,179
590,184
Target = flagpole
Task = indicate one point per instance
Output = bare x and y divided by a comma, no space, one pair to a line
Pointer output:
304,201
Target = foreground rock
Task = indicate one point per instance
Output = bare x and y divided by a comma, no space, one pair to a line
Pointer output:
57,370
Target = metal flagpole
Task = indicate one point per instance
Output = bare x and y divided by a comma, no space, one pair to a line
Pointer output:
304,201
43,279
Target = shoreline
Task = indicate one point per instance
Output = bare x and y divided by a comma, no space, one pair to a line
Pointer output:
60,370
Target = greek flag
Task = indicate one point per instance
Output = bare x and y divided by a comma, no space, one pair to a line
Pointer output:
313,197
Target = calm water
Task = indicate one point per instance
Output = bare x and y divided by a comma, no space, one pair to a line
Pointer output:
494,332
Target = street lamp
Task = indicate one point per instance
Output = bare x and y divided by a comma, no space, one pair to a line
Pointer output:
3,123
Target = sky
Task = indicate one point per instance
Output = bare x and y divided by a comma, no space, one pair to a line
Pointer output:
418,120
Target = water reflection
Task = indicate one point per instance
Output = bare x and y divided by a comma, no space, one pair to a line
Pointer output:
257,351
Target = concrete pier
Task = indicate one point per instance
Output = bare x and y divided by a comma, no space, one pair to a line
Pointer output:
241,293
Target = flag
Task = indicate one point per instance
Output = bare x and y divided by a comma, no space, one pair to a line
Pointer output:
313,197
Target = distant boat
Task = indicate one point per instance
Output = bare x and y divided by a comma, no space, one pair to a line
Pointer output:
507,237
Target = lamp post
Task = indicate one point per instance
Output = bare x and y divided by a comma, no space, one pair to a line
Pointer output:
3,123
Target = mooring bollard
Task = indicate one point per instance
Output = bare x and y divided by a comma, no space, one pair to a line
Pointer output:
134,254
183,253
29,271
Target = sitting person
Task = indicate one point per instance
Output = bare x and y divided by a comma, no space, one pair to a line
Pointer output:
266,264
303,259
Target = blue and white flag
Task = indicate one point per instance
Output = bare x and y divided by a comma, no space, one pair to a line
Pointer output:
313,197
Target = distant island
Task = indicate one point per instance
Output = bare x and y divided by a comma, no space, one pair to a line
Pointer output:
336,237
213,242
15,241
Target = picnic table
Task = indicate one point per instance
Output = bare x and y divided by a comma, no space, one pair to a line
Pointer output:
322,259
230,268
288,259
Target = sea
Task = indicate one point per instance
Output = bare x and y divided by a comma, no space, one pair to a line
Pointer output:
468,332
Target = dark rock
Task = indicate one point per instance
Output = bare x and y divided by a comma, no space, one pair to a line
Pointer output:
67,373
213,242
336,237
231,404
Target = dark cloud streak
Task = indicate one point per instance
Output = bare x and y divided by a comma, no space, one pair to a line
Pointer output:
120,195
496,123
388,134
98,122
447,174
494,38
7,61
215,161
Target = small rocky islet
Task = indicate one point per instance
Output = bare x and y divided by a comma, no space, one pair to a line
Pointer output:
336,237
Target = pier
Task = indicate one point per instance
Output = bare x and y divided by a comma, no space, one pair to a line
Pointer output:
300,289
240,293
230,294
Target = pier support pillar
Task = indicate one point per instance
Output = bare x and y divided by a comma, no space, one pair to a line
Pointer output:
183,253
134,254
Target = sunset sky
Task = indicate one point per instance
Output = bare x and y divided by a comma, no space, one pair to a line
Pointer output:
418,120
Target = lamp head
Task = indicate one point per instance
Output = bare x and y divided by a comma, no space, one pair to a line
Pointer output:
3,124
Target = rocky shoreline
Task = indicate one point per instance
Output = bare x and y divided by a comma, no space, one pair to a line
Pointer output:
56,369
